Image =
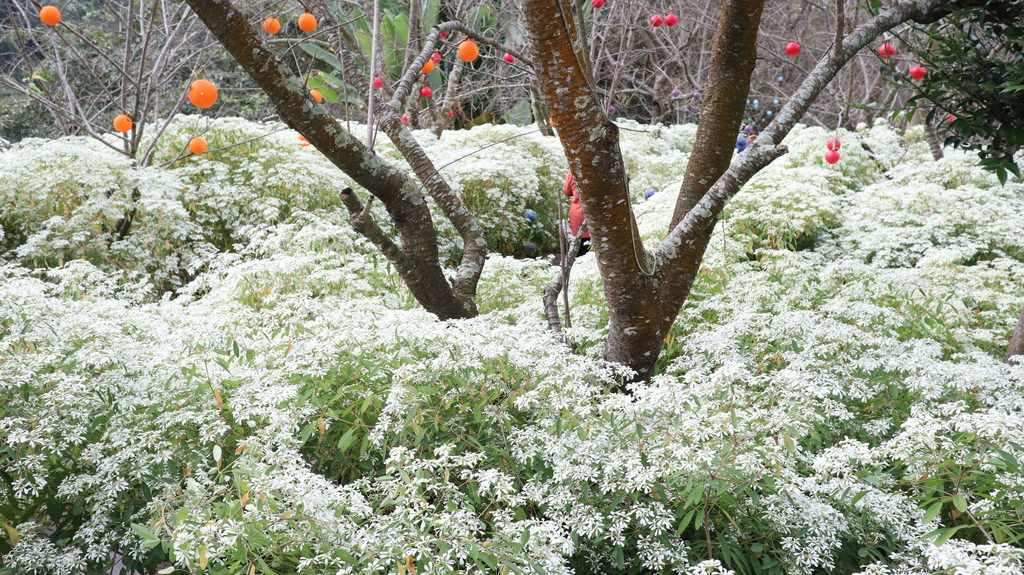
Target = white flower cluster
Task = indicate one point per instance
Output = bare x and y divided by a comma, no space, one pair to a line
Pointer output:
291,406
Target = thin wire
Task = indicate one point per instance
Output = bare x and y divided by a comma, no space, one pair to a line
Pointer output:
625,182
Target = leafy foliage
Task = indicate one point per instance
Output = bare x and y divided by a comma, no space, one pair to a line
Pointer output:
291,410
975,62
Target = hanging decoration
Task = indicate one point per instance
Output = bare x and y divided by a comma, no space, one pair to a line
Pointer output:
123,123
597,3
426,92
307,22
671,19
509,58
202,94
833,145
886,50
657,20
917,73
271,25
50,15
378,83
197,145
303,141
316,95
831,156
792,49
428,67
468,51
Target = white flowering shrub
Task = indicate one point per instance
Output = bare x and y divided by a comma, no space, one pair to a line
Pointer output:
290,409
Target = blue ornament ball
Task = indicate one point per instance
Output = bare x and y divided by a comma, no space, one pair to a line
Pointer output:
769,112
776,102
741,143
650,192
529,247
530,215
781,78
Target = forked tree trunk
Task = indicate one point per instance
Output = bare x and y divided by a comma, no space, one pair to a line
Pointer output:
417,260
645,290
644,293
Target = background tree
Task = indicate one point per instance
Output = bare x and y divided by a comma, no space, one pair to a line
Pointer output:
974,59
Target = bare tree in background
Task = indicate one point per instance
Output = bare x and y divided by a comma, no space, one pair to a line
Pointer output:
138,60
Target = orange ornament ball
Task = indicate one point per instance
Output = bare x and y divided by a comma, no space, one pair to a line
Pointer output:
272,25
468,51
428,67
307,22
316,95
202,94
303,141
197,145
123,123
50,15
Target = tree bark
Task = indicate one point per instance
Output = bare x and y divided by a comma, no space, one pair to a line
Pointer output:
733,56
419,267
1016,346
645,291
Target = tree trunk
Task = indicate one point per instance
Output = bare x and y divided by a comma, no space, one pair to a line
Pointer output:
1016,346
645,291
733,56
417,261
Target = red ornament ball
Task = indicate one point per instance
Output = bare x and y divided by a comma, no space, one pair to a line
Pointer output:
451,114
833,145
886,50
917,72
378,83
444,35
792,49
656,20
405,119
671,20
831,156
597,3
509,58
436,57
426,92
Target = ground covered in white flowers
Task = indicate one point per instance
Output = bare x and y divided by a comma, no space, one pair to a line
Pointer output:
241,385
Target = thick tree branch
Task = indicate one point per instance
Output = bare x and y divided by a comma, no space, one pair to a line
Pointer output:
474,242
733,56
397,191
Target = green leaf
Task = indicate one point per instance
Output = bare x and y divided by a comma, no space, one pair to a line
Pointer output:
318,52
960,502
933,512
